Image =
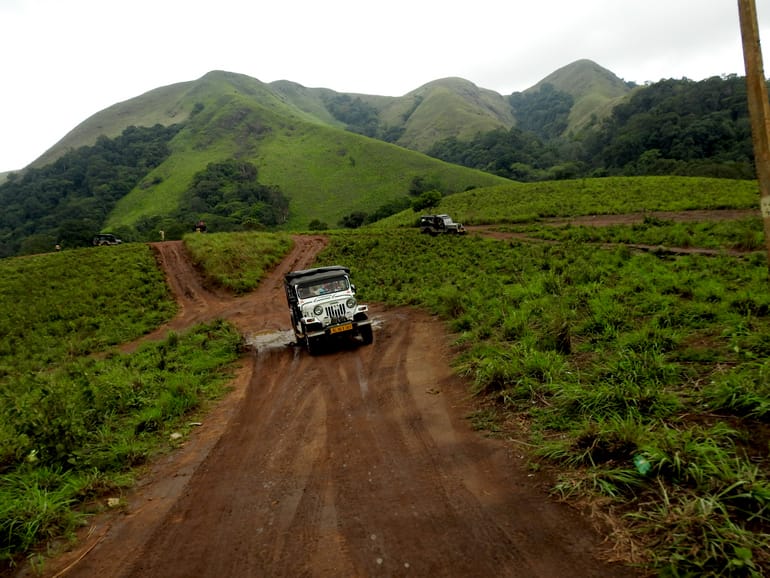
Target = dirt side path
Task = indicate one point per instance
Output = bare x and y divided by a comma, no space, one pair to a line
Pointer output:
355,462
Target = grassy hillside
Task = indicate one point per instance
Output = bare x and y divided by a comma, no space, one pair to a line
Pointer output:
450,107
165,105
594,90
341,173
521,202
326,172
453,107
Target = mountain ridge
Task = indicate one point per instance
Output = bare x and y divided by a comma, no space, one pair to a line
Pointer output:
473,109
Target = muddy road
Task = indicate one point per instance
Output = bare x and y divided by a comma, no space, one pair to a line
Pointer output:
359,461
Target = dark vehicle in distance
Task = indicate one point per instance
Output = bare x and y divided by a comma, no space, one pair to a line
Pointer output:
103,239
437,224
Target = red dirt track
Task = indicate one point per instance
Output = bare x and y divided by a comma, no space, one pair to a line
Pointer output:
358,461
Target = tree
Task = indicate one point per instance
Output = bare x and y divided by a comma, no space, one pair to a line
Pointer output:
353,220
427,200
316,225
420,185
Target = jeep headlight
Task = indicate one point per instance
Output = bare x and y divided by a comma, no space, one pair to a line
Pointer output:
351,303
317,310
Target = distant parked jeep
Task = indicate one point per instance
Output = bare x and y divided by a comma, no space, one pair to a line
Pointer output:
323,306
436,224
106,239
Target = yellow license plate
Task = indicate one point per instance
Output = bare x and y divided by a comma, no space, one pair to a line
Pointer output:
341,328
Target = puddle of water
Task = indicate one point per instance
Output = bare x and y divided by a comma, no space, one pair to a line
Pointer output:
278,339
271,340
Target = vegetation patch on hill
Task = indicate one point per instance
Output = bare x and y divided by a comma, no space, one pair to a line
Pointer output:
237,261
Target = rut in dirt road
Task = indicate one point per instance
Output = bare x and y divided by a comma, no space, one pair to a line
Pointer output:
355,462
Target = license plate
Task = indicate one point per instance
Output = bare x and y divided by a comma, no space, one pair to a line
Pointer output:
341,328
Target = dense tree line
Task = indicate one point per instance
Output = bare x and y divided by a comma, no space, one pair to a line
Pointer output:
360,117
544,112
514,153
68,201
229,194
679,127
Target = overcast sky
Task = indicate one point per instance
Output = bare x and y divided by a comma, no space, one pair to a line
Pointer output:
64,60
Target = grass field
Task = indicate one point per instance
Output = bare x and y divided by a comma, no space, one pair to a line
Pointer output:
77,418
528,202
640,378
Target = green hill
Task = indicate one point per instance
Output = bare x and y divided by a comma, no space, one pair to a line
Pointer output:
594,90
323,154
444,108
450,107
325,172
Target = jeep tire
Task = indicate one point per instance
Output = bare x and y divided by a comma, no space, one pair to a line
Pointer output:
366,334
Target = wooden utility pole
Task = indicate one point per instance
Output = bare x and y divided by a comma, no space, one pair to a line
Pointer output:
759,107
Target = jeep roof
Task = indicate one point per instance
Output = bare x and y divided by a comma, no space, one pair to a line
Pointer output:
317,273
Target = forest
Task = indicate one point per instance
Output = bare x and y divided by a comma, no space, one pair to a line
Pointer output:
67,202
672,127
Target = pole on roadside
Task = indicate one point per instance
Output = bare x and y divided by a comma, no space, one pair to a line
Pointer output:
759,107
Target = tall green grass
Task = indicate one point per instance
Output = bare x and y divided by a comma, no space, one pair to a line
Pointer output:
62,305
742,235
526,202
74,425
72,433
643,375
238,261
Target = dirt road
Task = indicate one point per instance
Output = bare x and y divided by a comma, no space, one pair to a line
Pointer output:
356,462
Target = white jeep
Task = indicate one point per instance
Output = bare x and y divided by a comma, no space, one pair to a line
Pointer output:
437,224
323,306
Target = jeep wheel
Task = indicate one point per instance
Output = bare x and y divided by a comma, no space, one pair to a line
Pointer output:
366,334
312,345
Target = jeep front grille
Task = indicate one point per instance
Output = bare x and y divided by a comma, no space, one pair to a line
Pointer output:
336,311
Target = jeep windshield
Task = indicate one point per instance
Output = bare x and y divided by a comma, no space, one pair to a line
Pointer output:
322,287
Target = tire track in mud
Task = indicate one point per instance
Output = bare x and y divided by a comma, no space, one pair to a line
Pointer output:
401,465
